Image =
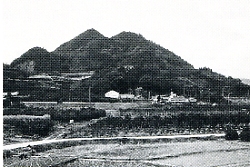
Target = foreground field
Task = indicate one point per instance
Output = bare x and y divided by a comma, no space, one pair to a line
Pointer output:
190,152
120,124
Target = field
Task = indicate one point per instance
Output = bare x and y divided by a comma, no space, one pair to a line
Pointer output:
192,152
122,119
130,119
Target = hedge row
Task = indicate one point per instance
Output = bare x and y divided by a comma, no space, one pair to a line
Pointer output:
77,115
60,114
192,120
28,125
26,111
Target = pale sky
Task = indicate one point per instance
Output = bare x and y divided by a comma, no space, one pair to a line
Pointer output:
206,33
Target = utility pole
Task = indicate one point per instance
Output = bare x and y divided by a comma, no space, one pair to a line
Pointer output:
228,98
209,96
229,108
89,96
149,95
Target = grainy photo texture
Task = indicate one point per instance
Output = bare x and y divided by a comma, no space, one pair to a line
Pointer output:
125,99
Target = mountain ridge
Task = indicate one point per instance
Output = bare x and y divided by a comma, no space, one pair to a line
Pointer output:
128,60
81,39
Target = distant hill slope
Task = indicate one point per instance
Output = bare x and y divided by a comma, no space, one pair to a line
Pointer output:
92,51
39,60
246,81
126,61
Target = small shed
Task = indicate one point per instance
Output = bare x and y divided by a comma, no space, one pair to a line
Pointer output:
112,94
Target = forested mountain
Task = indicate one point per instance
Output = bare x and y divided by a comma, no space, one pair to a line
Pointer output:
92,51
127,61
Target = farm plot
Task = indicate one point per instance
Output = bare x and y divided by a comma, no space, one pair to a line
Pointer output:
171,153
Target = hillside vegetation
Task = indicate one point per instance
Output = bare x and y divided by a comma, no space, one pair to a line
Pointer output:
127,61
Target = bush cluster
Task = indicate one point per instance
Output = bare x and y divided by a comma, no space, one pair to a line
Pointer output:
29,125
245,134
232,134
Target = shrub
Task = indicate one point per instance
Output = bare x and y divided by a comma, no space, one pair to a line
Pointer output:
245,134
231,135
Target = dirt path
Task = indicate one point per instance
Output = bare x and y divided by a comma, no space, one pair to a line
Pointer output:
20,145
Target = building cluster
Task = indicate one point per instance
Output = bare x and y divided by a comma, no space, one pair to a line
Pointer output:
116,95
158,99
172,99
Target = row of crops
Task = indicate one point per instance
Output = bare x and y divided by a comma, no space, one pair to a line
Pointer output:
166,123
134,118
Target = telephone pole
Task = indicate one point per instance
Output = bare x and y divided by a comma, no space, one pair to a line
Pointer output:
89,96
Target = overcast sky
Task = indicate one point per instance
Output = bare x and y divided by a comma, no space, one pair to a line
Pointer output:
207,33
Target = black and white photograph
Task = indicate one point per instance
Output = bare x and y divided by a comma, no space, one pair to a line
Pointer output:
125,83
